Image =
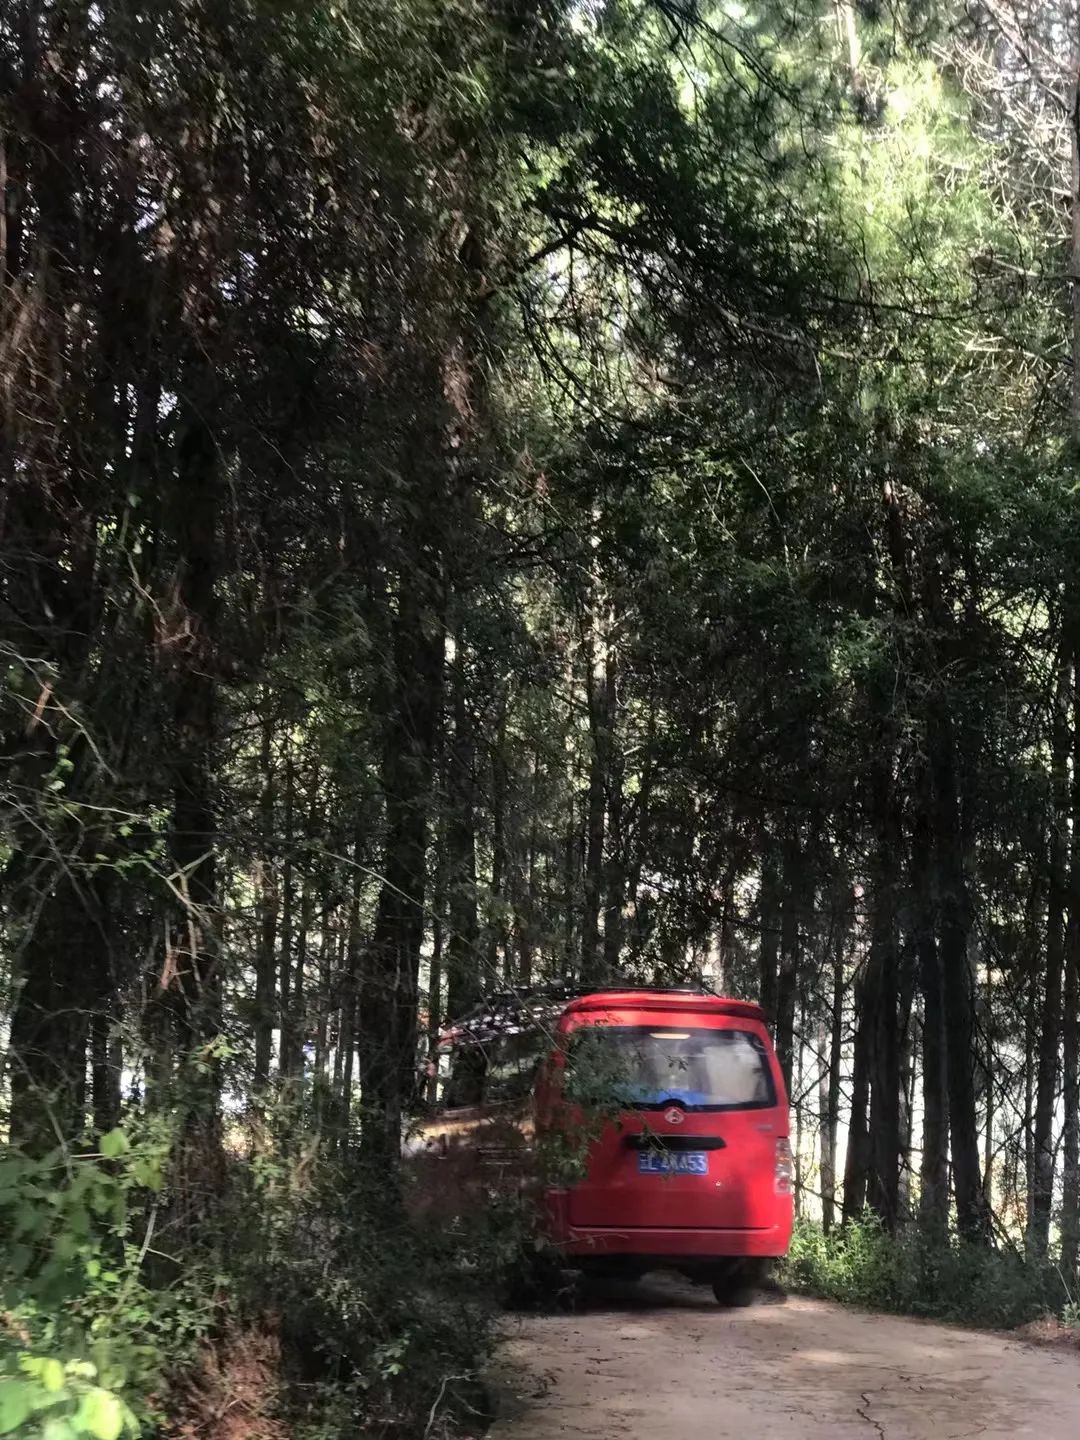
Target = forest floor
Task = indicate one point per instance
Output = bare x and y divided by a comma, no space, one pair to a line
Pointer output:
662,1360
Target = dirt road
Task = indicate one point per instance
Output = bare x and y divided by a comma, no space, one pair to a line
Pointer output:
665,1362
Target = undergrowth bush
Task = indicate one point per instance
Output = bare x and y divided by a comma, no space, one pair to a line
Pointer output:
116,1302
85,1341
861,1264
384,1321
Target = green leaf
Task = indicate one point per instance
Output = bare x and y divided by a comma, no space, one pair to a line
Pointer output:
52,1376
114,1144
100,1415
14,1404
146,1172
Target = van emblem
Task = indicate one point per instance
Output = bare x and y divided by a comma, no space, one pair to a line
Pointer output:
673,1115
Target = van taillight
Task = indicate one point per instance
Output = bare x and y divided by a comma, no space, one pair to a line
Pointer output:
785,1168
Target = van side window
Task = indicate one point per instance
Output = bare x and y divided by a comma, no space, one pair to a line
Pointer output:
498,1071
512,1066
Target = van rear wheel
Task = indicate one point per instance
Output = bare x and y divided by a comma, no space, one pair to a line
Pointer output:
733,1292
735,1284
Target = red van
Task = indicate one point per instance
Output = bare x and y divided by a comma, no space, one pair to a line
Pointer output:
695,1171
687,1163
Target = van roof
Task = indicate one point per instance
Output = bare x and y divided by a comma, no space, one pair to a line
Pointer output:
626,999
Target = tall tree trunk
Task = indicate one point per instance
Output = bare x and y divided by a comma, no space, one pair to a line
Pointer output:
390,981
196,521
1070,1141
52,481
1070,1146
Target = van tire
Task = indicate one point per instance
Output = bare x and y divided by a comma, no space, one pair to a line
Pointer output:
733,1292
737,1284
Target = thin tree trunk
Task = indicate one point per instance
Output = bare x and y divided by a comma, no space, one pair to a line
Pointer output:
568,898
267,901
954,929
466,980
857,1161
615,869
532,900
934,1169
787,980
435,968
497,938
350,993
798,1107
322,999
1034,930
769,923
299,1002
831,1079
988,1088
599,729
285,958
883,996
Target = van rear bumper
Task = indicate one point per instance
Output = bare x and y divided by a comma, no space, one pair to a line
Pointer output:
678,1244
580,1242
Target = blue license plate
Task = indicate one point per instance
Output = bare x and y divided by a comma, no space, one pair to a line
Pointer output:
687,1162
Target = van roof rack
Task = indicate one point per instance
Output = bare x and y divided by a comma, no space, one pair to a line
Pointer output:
506,1012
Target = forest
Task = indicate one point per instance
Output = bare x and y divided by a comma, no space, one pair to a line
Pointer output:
499,491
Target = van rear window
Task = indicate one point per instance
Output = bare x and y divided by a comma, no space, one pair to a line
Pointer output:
648,1067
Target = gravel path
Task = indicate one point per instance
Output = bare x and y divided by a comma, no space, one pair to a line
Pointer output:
663,1361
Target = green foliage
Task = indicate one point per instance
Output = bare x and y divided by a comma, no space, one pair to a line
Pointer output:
85,1340
910,1274
594,1084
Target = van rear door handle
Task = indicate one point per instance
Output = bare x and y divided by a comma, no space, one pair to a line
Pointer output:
674,1142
